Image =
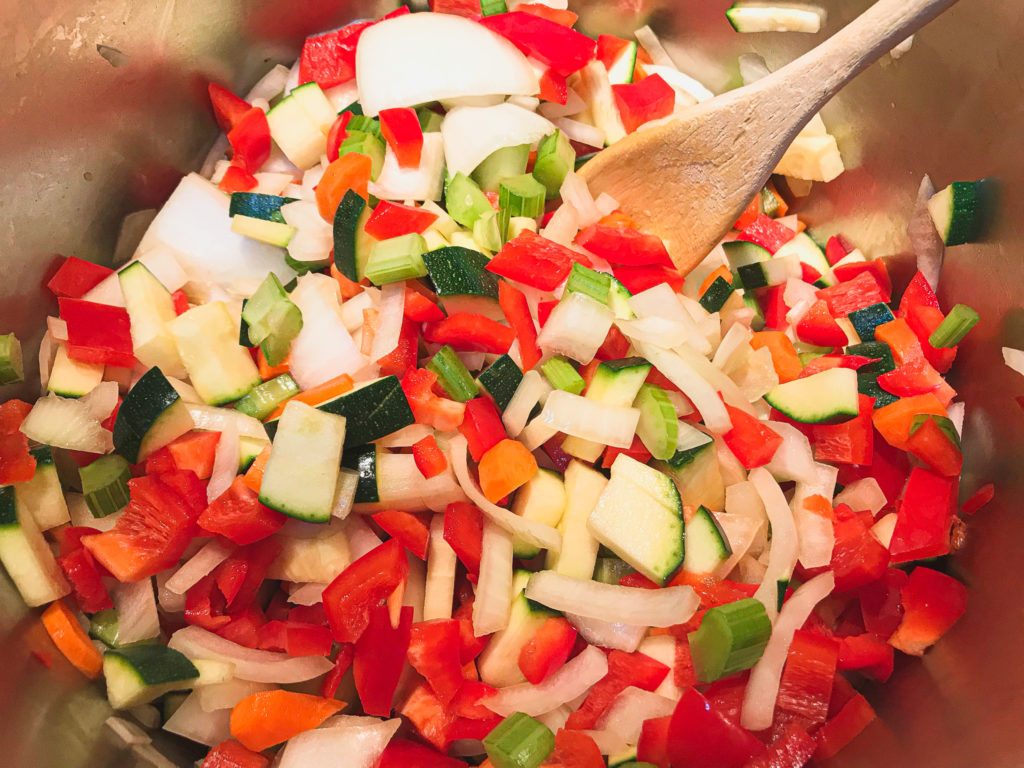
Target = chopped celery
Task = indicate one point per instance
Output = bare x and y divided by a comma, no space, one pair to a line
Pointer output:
452,375
492,7
952,330
366,144
430,121
360,122
262,400
587,281
487,231
730,638
658,428
465,201
519,741
11,367
555,158
716,295
397,258
519,196
105,484
501,164
272,319
561,375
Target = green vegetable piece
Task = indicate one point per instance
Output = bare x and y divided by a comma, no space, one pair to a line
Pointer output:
258,206
501,164
584,280
954,327
555,158
519,741
519,196
867,319
263,399
243,330
658,428
465,201
561,375
360,122
105,484
610,570
487,231
12,368
501,380
716,295
452,375
273,320
458,271
351,243
366,144
492,7
731,638
103,626
397,258
430,121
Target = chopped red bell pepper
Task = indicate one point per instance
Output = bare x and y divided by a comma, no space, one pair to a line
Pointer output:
181,305
773,304
402,753
858,558
379,658
296,638
237,179
851,442
393,220
923,321
337,134
932,603
561,48
749,215
638,279
701,737
76,277
250,140
401,129
349,599
430,460
875,267
575,749
853,718
653,745
231,754
464,530
554,87
228,109
469,332
828,362
557,15
466,702
881,603
936,449
768,233
614,347
434,648
924,517
643,101
471,645
547,650
532,260
979,499
918,293
410,531
637,450
468,9
82,571
482,427
17,465
402,358
751,440
914,378
818,327
97,333
419,308
240,576
205,605
868,653
791,749
428,408
429,716
838,248
342,662
806,684
238,515
330,58
624,670
195,451
517,311
862,291
625,245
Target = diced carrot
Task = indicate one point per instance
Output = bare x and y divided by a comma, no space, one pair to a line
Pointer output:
347,287
319,394
350,171
722,271
505,467
267,371
254,475
750,213
784,357
267,718
617,219
195,451
71,640
893,421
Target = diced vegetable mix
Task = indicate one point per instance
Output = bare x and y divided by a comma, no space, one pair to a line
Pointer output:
492,468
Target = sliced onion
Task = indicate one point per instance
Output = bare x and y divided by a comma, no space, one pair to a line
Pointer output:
815,535
324,349
533,389
763,686
862,494
570,682
314,237
610,602
562,226
101,399
440,584
590,420
225,463
527,531
406,436
66,423
956,413
660,301
575,192
470,134
556,718
250,664
703,396
925,241
608,634
211,419
742,532
185,390
390,314
137,618
347,746
190,721
757,375
272,183
424,57
576,328
271,85
352,309
494,586
361,538
628,711
47,356
307,594
784,541
344,493
58,328
227,694
584,133
536,433
650,43
793,460
573,106
1014,358
212,554
654,330
424,182
733,350
608,741
402,486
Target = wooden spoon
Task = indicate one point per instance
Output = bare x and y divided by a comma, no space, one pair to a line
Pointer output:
690,178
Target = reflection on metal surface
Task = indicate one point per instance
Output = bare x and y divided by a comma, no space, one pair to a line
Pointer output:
86,142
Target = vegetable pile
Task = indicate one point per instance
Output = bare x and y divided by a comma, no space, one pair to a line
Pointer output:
389,416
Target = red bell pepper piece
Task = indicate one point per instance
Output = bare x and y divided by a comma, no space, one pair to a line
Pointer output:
768,233
544,309
561,48
932,603
76,277
97,333
401,753
330,58
554,87
862,291
867,652
913,378
624,670
407,528
774,307
349,599
181,305
429,716
337,134
557,15
82,571
346,652
851,442
401,129
918,293
791,749
875,267
653,745
205,605
380,656
231,754
430,460
418,307
482,427
250,140
228,109
464,530
837,248
923,321
547,650
517,311
636,450
827,362
471,646
244,627
237,179
466,702
881,603
979,499
894,421
239,577
936,449
751,440
806,685
296,638
17,465
624,245
468,9
642,101
195,451
434,648
575,749
238,515
402,358
858,558
924,517
393,220
853,718
532,260
466,331
638,279
438,412
701,737
818,327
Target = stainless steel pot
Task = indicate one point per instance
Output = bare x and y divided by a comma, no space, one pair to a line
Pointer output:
104,109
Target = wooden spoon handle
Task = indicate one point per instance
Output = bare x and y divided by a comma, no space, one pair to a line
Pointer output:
802,87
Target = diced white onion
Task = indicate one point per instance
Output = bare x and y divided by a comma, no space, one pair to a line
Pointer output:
190,721
661,301
1014,358
650,42
741,531
956,412
402,486
533,389
212,554
225,462
584,133
815,535
703,396
680,82
470,134
567,683
590,420
211,419
314,237
66,423
389,320
361,538
494,586
575,192
784,541
227,694
101,399
862,494
793,460
424,182
271,85
344,493
324,349
925,241
349,746
307,594
576,328
406,436
137,619
441,563
628,711
562,226
573,106
250,664
128,732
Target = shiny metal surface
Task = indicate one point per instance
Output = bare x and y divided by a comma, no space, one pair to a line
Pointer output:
104,108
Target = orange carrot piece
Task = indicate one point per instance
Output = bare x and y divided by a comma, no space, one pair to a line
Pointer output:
267,718
893,421
71,640
254,475
505,467
350,171
329,390
267,371
347,287
722,271
617,219
784,357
